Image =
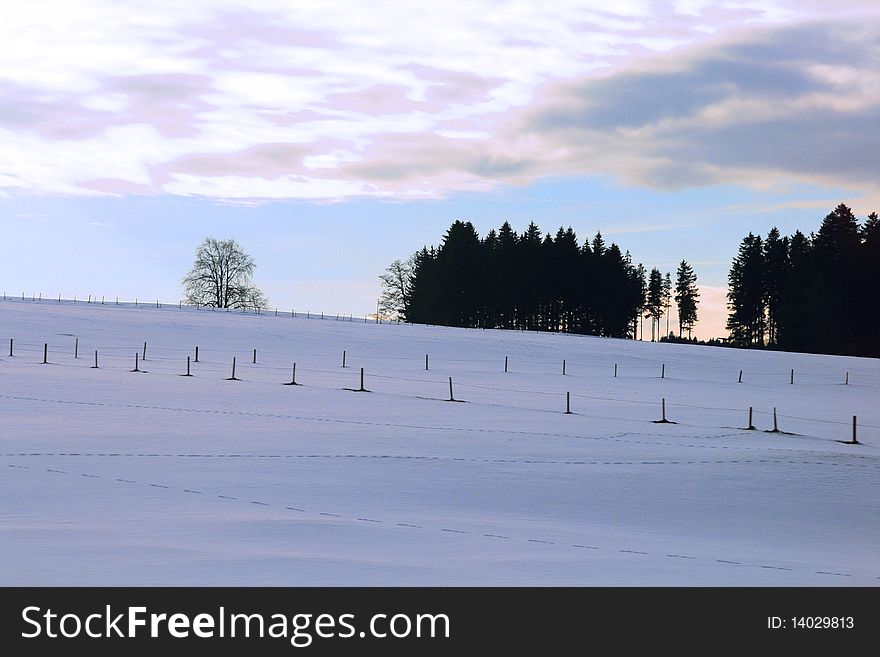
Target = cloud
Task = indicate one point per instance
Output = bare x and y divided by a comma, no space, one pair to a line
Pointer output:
795,102
340,99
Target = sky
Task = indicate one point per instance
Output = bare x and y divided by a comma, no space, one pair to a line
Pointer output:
331,137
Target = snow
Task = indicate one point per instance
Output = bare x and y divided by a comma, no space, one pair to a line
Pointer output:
109,477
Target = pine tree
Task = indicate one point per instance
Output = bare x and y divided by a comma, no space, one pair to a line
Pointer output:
686,297
776,263
667,299
509,274
654,301
747,297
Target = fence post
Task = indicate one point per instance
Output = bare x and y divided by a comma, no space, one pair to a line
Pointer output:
451,398
95,366
775,423
751,426
426,364
10,346
846,379
292,381
136,369
505,364
663,371
232,378
145,351
791,380
615,370
45,353
197,354
740,377
343,357
255,356
568,403
76,348
362,389
563,367
187,368
854,440
663,419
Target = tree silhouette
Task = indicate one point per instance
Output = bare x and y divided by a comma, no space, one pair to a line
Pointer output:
394,299
221,277
816,293
747,298
530,281
686,297
654,301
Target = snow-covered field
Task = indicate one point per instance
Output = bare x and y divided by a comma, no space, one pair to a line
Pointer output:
121,478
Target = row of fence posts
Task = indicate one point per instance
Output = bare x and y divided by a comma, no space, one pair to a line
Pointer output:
139,356
506,362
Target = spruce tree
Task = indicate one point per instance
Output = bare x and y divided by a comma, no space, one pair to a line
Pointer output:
654,301
686,297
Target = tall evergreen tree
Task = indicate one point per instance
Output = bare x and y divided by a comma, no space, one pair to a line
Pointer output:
654,301
776,262
686,297
667,298
747,297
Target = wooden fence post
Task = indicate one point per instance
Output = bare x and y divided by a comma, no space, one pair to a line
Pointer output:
568,403
505,364
292,378
187,368
232,378
95,366
45,353
740,377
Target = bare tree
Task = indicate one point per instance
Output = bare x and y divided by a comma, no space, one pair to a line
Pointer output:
222,277
394,301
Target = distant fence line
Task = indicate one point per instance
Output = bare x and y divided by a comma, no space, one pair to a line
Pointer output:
277,311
